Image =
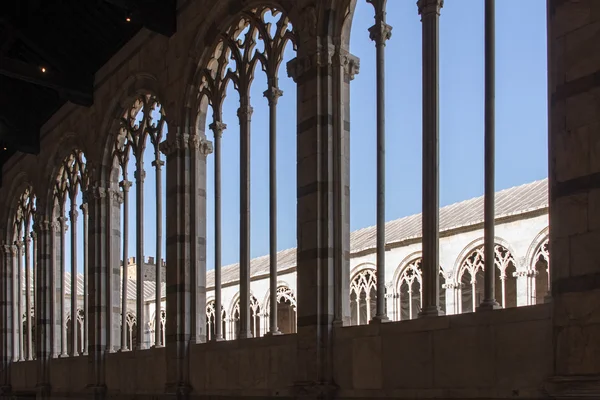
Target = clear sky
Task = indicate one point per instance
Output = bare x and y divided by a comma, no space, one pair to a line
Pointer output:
521,124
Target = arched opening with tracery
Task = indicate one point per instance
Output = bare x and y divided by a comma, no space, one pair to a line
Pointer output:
71,252
540,282
471,279
24,256
162,318
254,313
79,349
211,318
258,37
407,296
137,152
363,293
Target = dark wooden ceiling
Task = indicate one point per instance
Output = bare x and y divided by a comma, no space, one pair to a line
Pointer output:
50,51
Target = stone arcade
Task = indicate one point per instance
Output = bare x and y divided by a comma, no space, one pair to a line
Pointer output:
525,327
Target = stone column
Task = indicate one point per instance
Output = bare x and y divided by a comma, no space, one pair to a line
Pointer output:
430,18
218,127
100,224
200,148
86,243
115,200
34,262
27,333
380,33
158,164
312,70
56,285
245,116
272,94
140,175
73,216
180,279
345,68
489,302
125,186
8,315
19,302
44,314
62,221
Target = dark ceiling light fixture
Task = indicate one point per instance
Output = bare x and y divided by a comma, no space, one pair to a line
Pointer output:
43,69
128,17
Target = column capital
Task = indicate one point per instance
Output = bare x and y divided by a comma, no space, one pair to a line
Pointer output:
117,195
217,127
428,7
179,141
299,66
73,214
349,62
202,144
84,208
27,239
245,111
273,93
33,234
380,32
158,164
125,185
139,175
9,249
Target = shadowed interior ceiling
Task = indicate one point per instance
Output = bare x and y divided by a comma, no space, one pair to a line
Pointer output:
50,51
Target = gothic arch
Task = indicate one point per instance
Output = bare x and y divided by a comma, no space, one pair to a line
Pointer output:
267,298
18,186
468,249
205,42
539,239
135,86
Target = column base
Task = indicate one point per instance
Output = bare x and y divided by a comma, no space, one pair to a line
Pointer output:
123,350
431,311
157,346
548,298
380,319
276,333
488,305
217,339
338,323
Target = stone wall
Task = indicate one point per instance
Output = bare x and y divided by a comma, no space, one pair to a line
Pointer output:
574,144
501,354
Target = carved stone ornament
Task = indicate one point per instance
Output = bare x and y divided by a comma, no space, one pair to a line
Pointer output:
349,62
217,127
297,67
380,33
175,143
428,7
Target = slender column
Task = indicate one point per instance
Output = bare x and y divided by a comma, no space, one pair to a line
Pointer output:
73,215
84,336
489,302
379,33
218,127
357,310
245,114
272,94
27,334
19,301
125,186
430,15
140,174
34,264
157,163
63,326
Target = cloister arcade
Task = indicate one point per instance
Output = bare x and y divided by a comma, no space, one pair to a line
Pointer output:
142,174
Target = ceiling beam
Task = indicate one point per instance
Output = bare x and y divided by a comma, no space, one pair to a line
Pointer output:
159,16
71,87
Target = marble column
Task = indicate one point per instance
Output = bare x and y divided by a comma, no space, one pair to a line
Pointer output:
44,300
27,333
158,164
19,302
380,33
140,175
245,116
73,216
84,210
8,316
489,301
218,127
125,186
62,220
272,94
430,15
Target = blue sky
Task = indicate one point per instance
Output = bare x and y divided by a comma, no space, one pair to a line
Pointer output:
521,124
